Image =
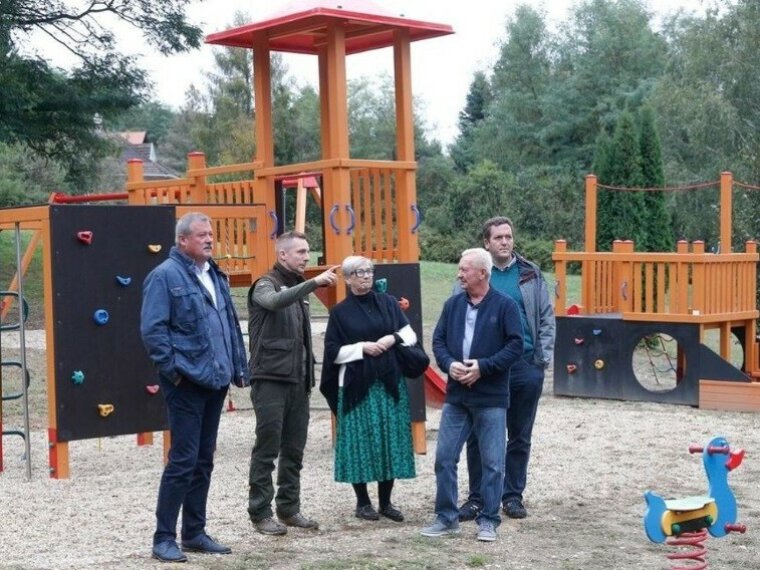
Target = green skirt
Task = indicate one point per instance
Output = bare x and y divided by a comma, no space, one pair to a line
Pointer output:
374,439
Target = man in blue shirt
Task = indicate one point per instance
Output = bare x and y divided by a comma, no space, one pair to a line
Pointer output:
521,280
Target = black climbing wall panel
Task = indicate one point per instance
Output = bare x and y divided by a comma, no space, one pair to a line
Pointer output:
581,341
111,357
404,281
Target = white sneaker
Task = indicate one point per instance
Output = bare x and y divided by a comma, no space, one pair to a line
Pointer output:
440,528
486,531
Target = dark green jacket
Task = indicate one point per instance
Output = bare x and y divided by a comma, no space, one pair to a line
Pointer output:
279,328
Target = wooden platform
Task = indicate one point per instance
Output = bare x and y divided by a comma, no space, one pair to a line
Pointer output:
730,396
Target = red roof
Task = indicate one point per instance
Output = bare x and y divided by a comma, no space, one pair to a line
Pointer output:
300,27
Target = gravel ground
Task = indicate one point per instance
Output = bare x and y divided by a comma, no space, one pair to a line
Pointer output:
592,460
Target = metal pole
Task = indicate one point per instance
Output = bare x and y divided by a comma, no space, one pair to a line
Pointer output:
22,353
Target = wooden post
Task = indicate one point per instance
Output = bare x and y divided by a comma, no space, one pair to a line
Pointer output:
591,199
750,326
588,268
726,195
560,275
699,286
336,191
197,161
406,191
627,289
680,299
135,173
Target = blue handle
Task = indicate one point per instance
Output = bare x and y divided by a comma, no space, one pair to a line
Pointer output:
273,215
333,211
352,225
418,218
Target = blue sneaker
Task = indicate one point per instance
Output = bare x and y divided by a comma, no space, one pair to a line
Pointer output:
440,528
168,551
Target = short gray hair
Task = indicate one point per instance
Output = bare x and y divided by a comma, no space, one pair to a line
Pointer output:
481,258
185,222
352,263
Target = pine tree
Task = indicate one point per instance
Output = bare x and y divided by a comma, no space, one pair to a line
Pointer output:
620,213
659,233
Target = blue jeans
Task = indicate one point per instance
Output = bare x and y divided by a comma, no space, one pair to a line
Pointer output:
526,381
457,422
194,414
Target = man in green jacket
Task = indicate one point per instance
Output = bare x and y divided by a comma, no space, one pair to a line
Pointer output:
282,376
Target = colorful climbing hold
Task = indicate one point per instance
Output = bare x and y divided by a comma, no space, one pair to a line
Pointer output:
154,248
105,410
597,332
598,363
403,302
101,316
579,341
152,389
85,237
77,377
571,368
123,281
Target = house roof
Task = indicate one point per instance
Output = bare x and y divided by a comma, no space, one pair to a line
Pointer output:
301,27
134,137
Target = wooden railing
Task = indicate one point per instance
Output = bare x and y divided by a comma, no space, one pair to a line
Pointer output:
685,286
370,215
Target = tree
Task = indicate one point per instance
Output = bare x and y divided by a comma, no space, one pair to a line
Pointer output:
620,213
659,235
479,98
52,111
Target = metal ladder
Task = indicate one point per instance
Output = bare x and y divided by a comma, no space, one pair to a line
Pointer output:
23,394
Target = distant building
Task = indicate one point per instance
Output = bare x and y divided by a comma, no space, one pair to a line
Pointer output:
137,146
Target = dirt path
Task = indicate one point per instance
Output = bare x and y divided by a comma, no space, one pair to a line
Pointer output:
591,463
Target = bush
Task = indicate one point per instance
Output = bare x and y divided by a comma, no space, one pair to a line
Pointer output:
539,251
434,246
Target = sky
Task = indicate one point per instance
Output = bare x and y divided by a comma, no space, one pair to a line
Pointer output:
442,68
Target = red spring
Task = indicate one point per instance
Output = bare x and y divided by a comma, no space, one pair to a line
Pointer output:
696,552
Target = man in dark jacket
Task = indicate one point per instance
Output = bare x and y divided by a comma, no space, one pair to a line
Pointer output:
191,333
282,371
477,339
521,280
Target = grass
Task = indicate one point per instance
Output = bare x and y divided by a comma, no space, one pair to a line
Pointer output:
33,284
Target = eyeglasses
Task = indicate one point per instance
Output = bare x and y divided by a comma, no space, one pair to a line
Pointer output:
363,272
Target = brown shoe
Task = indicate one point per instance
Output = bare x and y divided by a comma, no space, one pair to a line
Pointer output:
300,521
270,526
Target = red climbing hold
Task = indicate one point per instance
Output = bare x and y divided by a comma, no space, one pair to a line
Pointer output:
403,303
85,237
571,368
152,389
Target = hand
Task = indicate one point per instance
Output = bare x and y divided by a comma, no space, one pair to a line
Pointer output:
373,348
327,277
457,370
386,341
472,372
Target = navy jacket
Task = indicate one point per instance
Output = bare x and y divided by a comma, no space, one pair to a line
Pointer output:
176,331
496,344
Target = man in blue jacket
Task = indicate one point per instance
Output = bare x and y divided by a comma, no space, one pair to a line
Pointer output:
191,333
477,339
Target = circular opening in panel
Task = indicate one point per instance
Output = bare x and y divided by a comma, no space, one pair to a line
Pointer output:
658,362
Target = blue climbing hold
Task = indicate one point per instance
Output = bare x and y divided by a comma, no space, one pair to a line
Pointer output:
597,332
101,316
78,377
123,281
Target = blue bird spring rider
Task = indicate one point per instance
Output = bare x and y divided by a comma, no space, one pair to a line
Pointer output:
689,519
